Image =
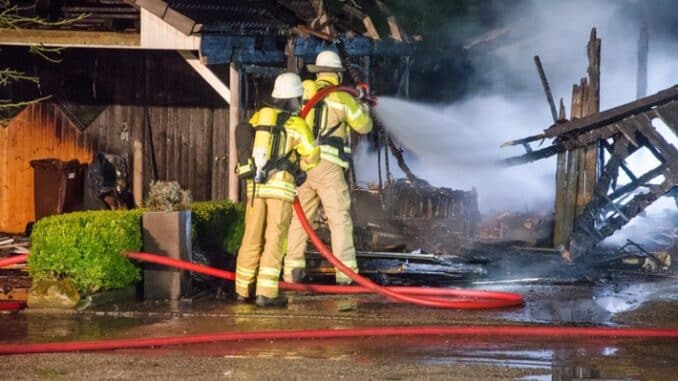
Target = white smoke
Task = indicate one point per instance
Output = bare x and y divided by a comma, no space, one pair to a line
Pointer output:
458,146
454,145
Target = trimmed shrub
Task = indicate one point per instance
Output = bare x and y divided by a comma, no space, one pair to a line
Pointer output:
218,225
235,230
87,248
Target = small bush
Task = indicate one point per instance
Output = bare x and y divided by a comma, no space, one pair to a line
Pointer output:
87,248
235,230
167,196
218,224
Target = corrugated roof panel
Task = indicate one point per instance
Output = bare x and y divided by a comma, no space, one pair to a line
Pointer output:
242,17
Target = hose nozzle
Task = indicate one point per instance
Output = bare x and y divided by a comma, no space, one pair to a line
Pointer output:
365,95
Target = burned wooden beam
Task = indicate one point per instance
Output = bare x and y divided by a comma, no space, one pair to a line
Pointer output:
614,114
533,156
547,88
589,129
623,166
398,155
522,141
634,184
396,268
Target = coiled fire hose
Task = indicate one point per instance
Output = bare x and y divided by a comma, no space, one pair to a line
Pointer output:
469,299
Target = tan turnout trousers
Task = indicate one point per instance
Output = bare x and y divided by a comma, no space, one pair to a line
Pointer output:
266,224
325,183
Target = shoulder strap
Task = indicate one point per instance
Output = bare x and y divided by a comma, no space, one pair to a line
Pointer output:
318,108
277,131
331,130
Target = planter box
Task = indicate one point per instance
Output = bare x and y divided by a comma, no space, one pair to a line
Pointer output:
168,234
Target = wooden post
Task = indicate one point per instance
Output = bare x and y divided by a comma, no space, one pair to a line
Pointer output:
643,48
575,159
233,120
138,171
291,58
561,189
577,170
591,105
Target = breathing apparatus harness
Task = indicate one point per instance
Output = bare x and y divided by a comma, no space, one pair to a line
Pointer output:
325,137
247,168
361,92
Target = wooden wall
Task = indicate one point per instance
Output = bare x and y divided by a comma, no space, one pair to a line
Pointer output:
40,131
188,125
188,122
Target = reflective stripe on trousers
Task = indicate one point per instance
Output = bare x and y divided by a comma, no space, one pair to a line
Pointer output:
266,223
326,184
331,154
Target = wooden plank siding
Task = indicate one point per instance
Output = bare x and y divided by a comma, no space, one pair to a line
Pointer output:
41,131
183,116
188,125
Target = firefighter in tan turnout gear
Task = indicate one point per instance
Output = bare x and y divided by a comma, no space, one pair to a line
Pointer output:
331,121
282,149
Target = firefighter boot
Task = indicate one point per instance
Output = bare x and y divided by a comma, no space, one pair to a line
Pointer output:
278,301
298,275
246,299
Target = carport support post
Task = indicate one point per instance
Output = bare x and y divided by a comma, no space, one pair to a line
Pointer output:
233,120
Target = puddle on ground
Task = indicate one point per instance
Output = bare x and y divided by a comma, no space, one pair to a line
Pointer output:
548,359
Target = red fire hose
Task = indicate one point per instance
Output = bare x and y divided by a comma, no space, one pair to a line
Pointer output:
322,93
466,299
15,260
538,332
469,299
480,331
500,299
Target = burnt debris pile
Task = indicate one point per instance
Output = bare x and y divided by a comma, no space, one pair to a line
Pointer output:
408,216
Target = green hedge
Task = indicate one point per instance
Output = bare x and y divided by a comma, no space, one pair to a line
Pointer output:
218,224
86,246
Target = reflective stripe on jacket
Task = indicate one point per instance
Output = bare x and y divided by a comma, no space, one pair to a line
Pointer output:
338,109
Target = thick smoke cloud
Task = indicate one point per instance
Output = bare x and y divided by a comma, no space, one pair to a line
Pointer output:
453,144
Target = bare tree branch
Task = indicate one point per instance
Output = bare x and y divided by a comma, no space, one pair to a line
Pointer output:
45,52
11,18
8,76
6,106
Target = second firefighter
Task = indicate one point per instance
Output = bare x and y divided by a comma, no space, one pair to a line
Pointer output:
332,121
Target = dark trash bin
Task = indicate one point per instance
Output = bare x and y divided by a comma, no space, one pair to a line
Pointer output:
58,186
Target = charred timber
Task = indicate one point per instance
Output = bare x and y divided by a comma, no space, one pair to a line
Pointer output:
599,126
614,114
398,155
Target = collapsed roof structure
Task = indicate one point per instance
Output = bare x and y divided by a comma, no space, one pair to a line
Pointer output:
592,199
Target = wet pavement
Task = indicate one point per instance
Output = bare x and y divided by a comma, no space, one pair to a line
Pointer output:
621,303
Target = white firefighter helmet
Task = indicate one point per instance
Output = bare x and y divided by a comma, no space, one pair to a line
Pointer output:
287,86
326,61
